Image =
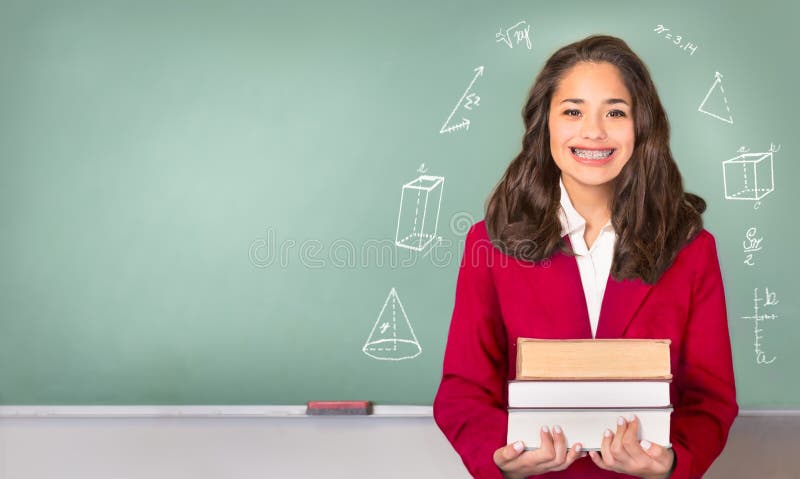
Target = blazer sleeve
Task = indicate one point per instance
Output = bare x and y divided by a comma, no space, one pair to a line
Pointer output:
470,405
705,388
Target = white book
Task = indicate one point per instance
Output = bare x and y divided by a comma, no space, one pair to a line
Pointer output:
586,426
588,394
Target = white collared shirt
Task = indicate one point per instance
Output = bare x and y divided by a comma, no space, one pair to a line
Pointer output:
594,263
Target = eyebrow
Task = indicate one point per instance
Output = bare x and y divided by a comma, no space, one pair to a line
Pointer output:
610,101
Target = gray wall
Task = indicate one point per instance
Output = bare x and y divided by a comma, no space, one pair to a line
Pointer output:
367,447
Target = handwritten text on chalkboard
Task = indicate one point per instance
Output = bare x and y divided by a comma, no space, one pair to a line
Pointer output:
751,245
676,40
519,32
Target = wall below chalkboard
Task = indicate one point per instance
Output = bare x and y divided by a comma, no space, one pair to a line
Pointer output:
336,447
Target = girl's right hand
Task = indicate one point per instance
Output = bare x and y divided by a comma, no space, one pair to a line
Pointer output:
516,463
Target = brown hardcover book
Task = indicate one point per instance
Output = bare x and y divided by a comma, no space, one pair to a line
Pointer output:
584,359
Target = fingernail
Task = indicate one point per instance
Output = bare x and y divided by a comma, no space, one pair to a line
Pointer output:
577,448
645,444
557,429
631,417
545,429
621,421
607,433
518,446
583,455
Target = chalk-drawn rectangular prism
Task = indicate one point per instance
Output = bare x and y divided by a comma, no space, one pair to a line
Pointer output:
418,218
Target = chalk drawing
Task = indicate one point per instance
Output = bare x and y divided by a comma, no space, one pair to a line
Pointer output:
418,214
759,316
392,338
715,93
473,100
749,176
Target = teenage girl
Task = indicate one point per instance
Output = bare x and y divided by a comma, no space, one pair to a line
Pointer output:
589,234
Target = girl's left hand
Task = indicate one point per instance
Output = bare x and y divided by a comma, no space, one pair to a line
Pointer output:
623,452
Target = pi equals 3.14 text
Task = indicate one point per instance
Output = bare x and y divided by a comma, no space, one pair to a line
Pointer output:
676,40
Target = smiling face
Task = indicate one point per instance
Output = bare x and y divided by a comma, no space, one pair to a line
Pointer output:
591,125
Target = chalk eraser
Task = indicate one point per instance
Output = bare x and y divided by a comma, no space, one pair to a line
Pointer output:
339,408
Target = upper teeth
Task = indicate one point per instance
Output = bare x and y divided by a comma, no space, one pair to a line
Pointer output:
593,154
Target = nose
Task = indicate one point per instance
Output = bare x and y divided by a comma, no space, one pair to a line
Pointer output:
592,128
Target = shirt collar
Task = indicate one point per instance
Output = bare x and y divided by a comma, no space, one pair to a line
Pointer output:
571,220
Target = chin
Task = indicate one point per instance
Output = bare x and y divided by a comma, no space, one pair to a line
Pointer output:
595,179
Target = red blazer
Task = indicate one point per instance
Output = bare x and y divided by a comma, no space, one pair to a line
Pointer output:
499,298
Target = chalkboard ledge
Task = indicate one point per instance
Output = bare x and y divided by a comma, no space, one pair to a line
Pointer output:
291,411
194,411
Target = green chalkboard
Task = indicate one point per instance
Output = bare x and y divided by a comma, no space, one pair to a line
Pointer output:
201,202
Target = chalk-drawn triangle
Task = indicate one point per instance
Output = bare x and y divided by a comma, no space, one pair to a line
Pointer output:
392,337
715,103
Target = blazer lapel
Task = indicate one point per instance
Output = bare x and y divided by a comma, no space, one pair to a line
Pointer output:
621,300
571,300
557,282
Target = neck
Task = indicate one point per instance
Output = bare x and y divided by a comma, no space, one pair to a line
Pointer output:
593,202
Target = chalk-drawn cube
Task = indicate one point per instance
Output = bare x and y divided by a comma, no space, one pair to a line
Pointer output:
418,218
748,176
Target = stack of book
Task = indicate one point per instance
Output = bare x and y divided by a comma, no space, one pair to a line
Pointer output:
584,385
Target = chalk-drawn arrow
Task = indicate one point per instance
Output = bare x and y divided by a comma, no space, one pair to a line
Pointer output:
465,123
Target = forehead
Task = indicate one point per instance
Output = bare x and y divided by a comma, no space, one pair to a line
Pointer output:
592,81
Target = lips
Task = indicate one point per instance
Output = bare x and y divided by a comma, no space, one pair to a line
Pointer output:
593,156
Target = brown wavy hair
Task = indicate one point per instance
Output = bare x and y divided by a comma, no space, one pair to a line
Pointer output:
651,214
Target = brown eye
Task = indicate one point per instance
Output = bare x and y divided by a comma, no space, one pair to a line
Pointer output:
572,112
617,114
